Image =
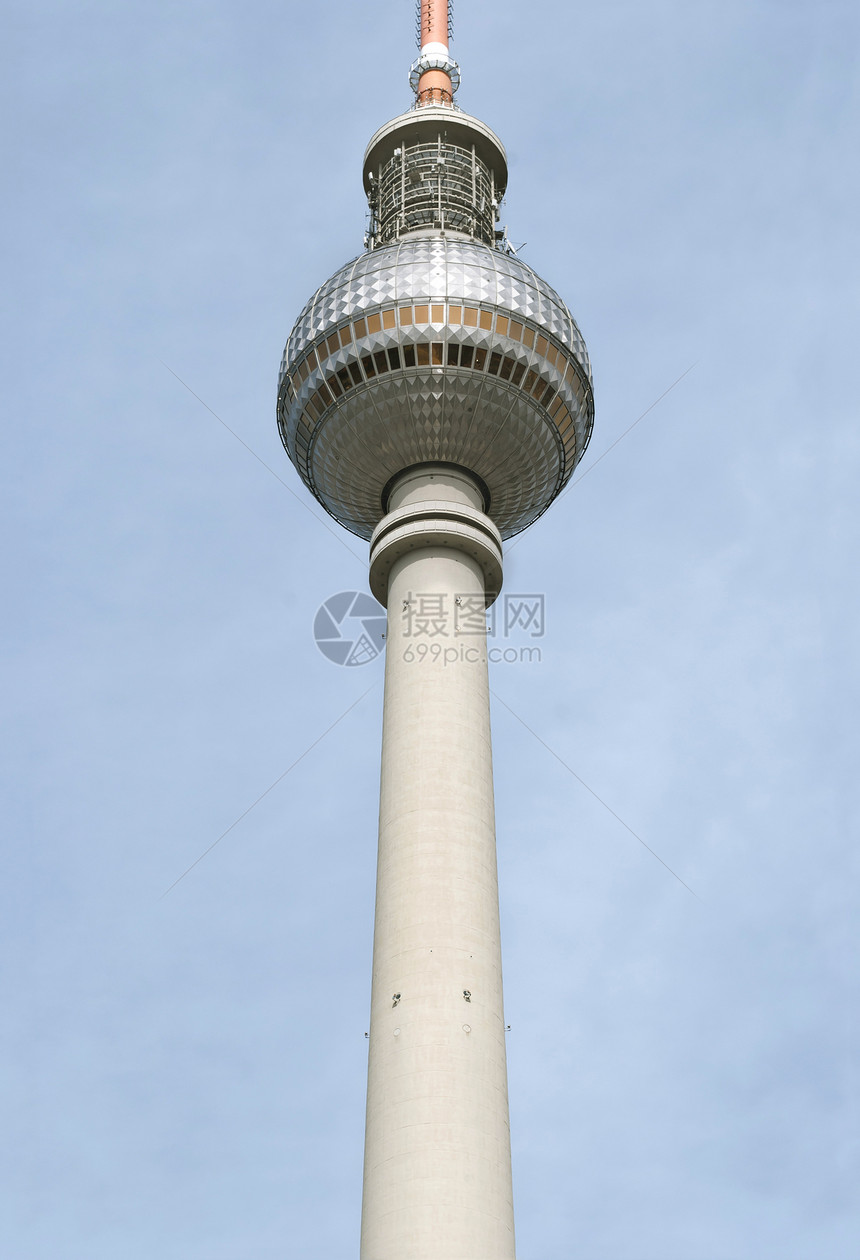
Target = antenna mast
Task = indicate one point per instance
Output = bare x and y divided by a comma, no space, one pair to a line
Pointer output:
435,76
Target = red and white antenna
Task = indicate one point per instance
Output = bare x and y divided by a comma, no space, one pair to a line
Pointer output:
435,75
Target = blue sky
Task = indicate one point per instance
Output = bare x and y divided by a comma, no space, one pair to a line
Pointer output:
183,1076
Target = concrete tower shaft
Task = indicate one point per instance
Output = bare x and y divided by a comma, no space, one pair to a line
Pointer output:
437,1181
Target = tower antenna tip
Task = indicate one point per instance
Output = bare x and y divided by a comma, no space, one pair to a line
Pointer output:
434,77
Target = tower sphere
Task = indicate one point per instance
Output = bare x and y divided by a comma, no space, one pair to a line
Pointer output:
438,344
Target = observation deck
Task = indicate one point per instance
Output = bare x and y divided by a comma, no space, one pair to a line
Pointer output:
434,168
438,344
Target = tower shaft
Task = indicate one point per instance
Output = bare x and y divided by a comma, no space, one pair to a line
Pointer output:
435,396
437,1182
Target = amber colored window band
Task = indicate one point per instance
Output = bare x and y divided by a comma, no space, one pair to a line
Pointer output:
471,316
454,355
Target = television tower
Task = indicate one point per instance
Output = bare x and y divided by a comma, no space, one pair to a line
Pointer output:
435,397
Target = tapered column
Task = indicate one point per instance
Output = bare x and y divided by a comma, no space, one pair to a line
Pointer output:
437,1180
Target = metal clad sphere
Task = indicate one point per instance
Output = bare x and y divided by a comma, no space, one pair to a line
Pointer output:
435,348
